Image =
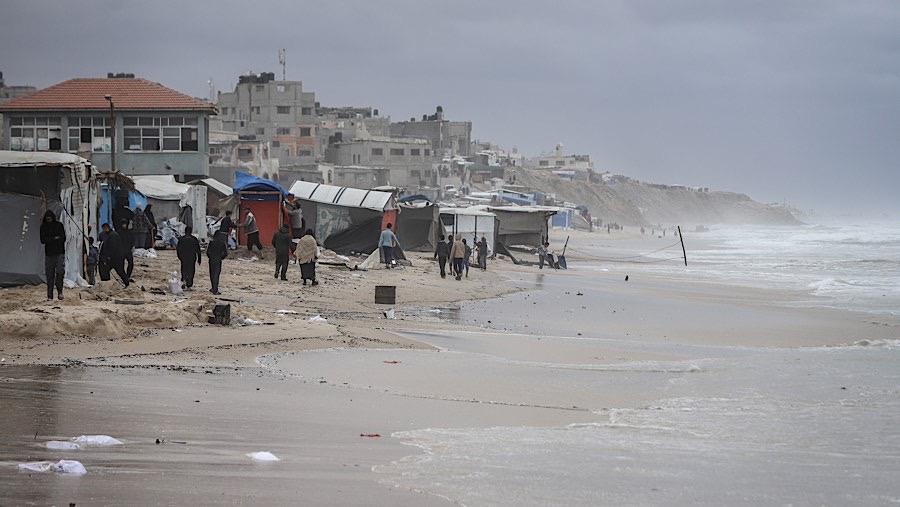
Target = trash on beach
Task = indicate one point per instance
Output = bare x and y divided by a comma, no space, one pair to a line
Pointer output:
99,440
286,312
144,253
389,314
318,319
175,284
251,259
391,362
370,435
435,310
247,321
63,466
61,446
262,456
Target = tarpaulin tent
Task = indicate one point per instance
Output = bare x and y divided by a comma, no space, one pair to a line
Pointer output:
472,224
171,199
216,193
31,182
264,198
418,226
521,225
345,220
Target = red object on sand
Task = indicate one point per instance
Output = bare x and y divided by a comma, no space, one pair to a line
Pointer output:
392,362
370,435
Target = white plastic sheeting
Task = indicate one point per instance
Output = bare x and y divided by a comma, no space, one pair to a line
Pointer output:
63,466
344,196
96,440
262,456
165,188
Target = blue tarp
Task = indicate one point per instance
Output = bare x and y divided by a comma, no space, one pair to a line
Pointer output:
244,182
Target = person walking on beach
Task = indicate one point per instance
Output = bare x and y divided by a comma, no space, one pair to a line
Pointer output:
542,254
188,250
457,253
226,225
215,253
252,233
53,237
140,228
482,253
112,254
283,245
298,223
93,258
441,253
466,257
307,251
387,242
151,231
127,247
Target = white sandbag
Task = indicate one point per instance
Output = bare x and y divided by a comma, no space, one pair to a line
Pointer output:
96,440
63,466
318,319
62,446
175,284
263,456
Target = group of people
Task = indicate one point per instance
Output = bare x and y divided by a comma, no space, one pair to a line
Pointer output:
458,253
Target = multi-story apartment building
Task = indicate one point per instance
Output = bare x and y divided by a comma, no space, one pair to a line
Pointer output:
279,112
447,138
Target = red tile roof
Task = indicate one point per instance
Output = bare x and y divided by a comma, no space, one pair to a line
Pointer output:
89,94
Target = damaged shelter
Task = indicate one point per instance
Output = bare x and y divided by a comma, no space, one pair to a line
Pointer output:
30,184
265,199
170,199
472,223
346,220
219,196
418,223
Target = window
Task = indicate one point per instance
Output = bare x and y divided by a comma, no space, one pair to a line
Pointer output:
89,134
283,109
544,163
283,131
305,131
254,109
427,152
260,88
398,151
377,152
224,111
306,111
35,134
260,131
148,133
245,154
279,88
277,144
415,152
414,175
304,153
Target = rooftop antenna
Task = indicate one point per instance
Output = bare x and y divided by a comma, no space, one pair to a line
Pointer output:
283,61
212,90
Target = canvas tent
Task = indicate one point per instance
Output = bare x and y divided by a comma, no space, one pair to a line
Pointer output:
521,225
345,220
30,183
171,199
418,223
264,198
472,223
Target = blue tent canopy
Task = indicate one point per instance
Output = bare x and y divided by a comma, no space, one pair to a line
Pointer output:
244,182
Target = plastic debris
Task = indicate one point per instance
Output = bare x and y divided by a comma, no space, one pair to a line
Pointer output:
370,435
263,456
98,440
63,446
247,321
175,284
286,312
63,466
318,319
391,362
389,314
146,254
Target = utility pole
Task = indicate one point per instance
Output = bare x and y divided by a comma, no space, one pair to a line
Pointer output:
112,134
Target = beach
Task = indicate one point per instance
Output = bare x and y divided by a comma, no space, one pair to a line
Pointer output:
514,386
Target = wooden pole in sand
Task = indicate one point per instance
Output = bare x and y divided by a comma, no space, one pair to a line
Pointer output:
680,237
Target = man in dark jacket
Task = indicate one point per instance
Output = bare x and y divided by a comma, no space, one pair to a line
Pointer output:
215,252
441,253
282,242
127,236
188,250
112,254
53,236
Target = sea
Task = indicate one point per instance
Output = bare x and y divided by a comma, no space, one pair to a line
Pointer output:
725,425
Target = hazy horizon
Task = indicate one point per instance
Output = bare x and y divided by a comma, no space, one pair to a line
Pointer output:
792,102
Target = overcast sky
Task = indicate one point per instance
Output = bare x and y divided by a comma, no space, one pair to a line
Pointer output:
782,100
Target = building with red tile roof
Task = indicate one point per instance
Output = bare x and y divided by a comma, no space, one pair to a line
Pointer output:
158,130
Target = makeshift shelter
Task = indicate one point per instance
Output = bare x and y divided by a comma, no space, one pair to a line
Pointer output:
418,224
265,199
521,225
171,199
217,195
32,182
346,220
472,223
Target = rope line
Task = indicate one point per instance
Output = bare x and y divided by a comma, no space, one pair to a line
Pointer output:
633,258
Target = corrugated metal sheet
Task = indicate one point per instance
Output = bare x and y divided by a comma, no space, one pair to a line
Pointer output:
344,196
